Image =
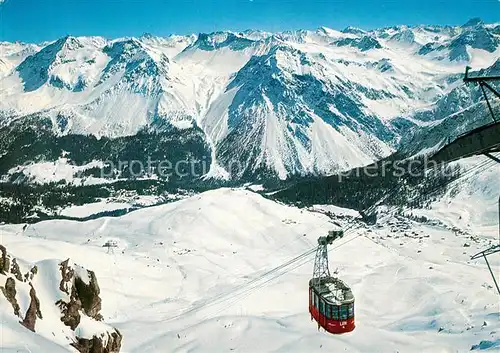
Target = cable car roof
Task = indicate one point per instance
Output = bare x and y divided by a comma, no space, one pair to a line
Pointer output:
333,290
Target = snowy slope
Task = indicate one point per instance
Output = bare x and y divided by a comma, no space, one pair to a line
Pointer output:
12,54
472,203
282,104
44,308
179,279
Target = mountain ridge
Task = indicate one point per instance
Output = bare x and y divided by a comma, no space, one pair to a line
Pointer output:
274,104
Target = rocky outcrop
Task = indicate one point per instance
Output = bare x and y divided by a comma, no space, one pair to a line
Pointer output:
67,274
84,299
77,299
111,344
89,296
4,260
9,291
70,310
82,296
16,271
70,314
33,311
8,266
28,276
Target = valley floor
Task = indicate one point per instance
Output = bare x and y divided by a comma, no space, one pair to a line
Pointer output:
191,276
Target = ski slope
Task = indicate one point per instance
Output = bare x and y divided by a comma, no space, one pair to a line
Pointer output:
190,276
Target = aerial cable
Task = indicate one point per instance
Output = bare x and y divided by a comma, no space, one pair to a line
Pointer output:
300,262
243,290
476,168
392,191
218,299
221,297
227,295
301,259
285,264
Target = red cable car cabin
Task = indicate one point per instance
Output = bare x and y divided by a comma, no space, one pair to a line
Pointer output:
331,304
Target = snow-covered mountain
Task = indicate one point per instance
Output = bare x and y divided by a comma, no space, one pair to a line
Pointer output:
195,275
200,270
283,104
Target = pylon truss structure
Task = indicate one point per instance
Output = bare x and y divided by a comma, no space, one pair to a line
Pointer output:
321,269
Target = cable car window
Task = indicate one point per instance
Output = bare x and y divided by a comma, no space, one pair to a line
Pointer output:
351,310
316,301
328,313
322,307
332,311
343,312
335,312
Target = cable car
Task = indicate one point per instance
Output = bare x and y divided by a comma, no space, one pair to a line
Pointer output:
331,301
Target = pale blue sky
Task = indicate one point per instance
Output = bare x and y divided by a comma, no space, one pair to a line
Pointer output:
39,20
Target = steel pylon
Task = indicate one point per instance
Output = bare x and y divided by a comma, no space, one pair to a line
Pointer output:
321,269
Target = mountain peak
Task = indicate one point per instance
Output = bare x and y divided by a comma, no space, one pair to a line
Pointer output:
136,62
34,69
353,30
473,22
147,35
405,36
477,37
255,35
216,40
363,43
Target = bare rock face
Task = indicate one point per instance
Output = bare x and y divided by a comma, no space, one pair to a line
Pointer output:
16,271
89,296
12,267
82,296
70,311
110,344
67,274
4,260
8,267
28,276
84,299
81,301
70,314
9,291
33,311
